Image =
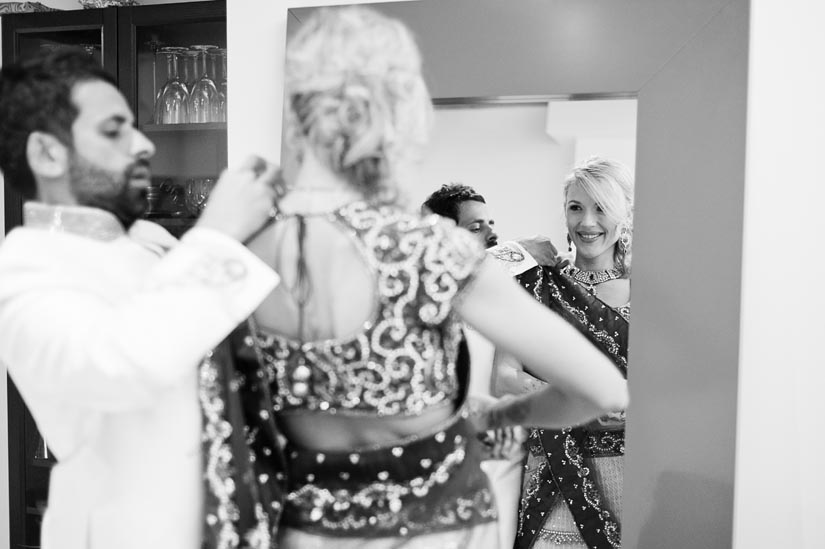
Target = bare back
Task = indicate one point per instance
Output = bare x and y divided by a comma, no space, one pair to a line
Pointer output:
331,295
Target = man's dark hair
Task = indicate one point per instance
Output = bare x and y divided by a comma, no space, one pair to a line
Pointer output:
446,200
36,95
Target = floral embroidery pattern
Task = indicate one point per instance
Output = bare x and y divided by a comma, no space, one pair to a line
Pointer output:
403,360
218,456
562,453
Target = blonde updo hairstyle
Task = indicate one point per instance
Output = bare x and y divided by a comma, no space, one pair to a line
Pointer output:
610,185
356,97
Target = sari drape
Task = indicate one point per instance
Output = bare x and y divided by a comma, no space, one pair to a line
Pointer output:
564,476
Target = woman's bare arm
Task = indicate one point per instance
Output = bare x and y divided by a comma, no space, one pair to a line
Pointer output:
584,383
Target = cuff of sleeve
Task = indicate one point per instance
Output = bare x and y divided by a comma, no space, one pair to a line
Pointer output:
512,256
229,268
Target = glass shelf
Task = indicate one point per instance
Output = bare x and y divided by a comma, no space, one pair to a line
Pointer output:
199,127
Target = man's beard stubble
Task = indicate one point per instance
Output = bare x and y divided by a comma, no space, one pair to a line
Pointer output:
109,191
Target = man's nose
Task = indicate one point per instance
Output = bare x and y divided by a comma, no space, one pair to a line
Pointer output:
141,146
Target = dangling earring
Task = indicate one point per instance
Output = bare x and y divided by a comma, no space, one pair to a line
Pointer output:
624,241
622,249
569,243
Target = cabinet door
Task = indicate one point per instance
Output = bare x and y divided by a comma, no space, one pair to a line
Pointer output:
172,70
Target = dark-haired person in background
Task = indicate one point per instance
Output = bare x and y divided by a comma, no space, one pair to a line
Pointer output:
102,330
467,208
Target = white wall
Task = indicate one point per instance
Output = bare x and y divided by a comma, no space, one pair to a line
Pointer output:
506,154
779,475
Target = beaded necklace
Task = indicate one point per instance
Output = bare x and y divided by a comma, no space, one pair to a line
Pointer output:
590,279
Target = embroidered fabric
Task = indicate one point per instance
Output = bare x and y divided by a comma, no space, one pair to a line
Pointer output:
402,361
79,220
555,509
417,486
559,526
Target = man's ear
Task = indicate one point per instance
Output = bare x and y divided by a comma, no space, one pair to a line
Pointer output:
48,157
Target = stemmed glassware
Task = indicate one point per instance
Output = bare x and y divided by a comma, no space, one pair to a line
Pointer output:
154,45
204,102
171,105
222,83
196,193
191,68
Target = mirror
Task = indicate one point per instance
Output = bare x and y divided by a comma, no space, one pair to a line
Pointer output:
686,64
517,154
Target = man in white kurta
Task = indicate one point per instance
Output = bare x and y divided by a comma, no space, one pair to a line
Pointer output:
102,328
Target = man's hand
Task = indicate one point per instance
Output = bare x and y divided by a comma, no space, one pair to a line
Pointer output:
542,249
610,422
503,443
243,199
498,442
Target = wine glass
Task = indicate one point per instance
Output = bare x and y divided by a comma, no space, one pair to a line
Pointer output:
171,106
191,68
222,83
196,194
92,50
204,101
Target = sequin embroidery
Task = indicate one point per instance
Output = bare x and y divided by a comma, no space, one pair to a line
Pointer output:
403,360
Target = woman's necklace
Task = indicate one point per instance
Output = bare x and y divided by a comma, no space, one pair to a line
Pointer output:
590,279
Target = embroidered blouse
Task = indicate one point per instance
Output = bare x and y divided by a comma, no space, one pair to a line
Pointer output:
402,360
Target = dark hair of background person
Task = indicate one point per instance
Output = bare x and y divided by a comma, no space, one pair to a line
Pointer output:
446,200
36,95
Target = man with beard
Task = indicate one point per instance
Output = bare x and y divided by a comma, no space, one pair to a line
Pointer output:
467,208
104,318
470,211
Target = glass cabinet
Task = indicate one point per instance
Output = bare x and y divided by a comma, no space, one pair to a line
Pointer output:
175,78
170,62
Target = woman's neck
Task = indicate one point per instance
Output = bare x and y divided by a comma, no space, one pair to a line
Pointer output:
316,188
602,263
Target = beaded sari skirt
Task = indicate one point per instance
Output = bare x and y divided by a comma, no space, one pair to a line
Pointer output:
559,530
397,495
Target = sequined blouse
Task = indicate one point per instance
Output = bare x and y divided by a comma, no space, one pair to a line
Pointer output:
403,359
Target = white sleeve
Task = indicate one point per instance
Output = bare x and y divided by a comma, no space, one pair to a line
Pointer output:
73,345
513,257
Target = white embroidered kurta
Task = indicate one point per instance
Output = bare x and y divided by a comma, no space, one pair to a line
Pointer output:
102,334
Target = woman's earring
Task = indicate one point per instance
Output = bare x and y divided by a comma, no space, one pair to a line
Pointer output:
624,241
569,243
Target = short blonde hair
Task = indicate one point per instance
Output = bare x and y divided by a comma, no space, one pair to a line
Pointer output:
356,96
610,185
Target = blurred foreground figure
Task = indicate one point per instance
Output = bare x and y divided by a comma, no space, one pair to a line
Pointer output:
101,329
360,364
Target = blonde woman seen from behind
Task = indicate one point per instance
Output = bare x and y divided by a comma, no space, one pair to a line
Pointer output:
360,352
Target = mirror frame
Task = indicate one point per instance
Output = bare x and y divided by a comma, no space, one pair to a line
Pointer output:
686,63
